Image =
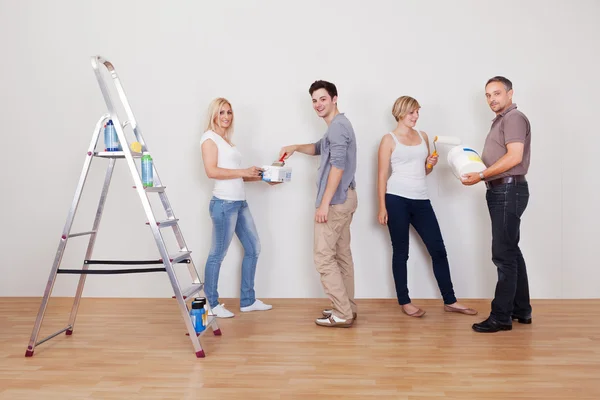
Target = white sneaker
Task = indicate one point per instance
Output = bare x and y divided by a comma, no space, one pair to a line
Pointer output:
334,322
256,306
221,312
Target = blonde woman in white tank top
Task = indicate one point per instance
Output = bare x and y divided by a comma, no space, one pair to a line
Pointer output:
228,209
404,201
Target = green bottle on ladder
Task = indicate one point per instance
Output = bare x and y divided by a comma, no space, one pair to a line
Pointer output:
147,178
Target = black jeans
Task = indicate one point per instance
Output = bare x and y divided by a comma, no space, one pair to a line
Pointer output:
506,204
401,213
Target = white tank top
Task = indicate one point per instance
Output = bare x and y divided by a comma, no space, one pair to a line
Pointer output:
408,170
229,157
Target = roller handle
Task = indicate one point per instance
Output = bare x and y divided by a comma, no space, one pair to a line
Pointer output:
434,154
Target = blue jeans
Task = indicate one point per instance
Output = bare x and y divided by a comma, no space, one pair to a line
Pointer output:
506,204
401,213
228,217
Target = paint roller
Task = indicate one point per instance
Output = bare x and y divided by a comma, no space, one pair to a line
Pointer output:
450,140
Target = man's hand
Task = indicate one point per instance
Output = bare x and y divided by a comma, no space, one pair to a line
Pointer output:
273,183
470,179
321,214
288,151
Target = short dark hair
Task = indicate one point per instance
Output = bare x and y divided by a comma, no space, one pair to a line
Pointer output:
330,87
505,81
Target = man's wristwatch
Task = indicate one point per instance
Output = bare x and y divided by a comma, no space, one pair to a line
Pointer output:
481,176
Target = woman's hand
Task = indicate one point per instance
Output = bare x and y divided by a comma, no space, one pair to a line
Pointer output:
252,172
382,216
432,160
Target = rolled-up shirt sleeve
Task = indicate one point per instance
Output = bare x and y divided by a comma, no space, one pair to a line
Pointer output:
318,147
339,139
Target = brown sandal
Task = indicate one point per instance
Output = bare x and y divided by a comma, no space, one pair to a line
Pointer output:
417,314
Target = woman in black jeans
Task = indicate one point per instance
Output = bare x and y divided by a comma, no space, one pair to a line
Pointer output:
403,200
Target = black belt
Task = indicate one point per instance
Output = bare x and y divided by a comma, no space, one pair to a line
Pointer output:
505,180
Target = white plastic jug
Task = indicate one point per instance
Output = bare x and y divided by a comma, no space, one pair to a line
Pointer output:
463,160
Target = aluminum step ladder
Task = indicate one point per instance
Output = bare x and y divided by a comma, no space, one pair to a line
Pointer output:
167,261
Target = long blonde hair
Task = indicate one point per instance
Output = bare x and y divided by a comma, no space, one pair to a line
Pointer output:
403,106
214,108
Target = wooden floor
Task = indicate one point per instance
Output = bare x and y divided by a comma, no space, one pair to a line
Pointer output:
137,349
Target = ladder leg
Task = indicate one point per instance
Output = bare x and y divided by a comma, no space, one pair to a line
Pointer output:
196,279
45,299
213,323
184,310
162,248
92,242
63,242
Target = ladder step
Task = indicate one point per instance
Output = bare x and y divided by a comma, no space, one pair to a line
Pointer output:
166,223
159,189
192,290
156,189
179,256
115,154
81,234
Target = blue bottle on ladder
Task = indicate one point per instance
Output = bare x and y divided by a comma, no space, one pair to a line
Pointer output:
111,140
197,316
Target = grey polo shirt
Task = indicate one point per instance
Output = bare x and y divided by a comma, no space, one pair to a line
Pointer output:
509,126
337,148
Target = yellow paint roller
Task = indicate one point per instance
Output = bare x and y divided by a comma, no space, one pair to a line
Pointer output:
451,140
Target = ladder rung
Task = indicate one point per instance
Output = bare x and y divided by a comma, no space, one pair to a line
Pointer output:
209,321
166,223
158,189
81,234
53,335
195,288
115,154
179,256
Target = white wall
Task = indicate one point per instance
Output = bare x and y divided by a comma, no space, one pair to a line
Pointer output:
174,57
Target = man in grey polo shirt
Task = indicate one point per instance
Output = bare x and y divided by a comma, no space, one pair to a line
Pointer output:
506,154
335,205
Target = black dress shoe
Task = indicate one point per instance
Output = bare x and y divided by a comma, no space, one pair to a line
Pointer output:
521,320
491,326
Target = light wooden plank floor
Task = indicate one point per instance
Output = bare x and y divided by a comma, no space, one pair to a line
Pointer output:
137,349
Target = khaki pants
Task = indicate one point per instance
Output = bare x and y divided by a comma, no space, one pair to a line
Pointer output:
333,257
